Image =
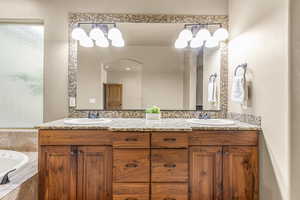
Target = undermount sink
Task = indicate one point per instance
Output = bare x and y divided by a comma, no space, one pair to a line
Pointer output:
86,121
213,122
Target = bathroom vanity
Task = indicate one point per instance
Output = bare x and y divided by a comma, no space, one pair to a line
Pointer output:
121,161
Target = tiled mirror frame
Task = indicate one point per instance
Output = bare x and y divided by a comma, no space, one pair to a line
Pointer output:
75,18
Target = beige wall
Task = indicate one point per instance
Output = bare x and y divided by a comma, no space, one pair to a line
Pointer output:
54,13
259,36
89,77
295,99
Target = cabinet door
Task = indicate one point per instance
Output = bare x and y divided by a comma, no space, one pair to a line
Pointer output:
206,173
240,173
94,173
57,178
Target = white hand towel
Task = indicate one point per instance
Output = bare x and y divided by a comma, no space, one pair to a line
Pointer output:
238,89
212,91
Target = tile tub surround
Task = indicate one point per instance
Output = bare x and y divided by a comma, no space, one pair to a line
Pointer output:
23,183
123,124
24,140
75,18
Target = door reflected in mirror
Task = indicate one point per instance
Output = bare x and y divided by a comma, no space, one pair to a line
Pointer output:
148,71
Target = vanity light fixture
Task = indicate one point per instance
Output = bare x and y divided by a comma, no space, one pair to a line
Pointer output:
203,34
118,42
221,34
196,43
96,33
180,44
197,35
100,33
185,35
78,33
103,42
86,42
212,42
114,33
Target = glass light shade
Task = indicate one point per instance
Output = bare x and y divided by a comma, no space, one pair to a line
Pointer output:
211,42
196,43
186,35
86,42
180,44
114,34
119,42
78,34
221,34
103,42
203,34
96,34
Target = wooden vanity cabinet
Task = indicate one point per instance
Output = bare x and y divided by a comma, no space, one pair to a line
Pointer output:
225,168
103,165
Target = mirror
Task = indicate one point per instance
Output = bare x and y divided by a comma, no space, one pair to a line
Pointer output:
148,71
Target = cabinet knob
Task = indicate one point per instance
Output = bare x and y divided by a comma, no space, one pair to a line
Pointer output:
170,165
168,198
74,153
131,165
131,198
131,139
170,139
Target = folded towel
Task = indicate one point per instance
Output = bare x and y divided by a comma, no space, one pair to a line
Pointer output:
238,88
212,91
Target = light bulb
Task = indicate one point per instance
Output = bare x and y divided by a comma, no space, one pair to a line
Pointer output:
114,33
119,42
180,44
211,42
86,42
221,34
96,34
203,34
196,43
103,42
186,35
78,33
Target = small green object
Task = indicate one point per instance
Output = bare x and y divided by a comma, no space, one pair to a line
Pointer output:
153,109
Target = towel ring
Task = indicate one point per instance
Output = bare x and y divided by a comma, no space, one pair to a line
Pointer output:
244,66
213,76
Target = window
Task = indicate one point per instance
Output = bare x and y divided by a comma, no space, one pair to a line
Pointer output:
21,75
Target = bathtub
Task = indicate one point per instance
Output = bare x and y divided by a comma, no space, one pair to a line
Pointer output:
11,161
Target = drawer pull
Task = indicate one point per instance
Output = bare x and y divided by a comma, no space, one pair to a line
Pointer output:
131,165
168,198
170,165
170,139
131,198
131,139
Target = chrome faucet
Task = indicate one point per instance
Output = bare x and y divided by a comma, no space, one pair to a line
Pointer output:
92,115
203,116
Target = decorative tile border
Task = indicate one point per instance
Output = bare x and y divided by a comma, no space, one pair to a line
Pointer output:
247,118
75,18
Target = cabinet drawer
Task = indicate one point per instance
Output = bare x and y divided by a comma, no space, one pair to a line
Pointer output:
169,140
169,191
131,165
223,138
130,191
131,140
169,165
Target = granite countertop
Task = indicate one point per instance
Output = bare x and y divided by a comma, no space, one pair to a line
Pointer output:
138,124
